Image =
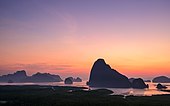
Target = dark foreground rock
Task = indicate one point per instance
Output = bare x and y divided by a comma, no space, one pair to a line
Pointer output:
102,75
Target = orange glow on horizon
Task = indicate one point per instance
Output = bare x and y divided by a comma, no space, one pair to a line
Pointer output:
65,38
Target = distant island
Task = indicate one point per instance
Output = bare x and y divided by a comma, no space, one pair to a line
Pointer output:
42,77
102,75
161,79
70,80
21,76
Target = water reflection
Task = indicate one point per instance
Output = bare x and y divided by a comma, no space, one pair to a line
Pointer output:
117,91
139,92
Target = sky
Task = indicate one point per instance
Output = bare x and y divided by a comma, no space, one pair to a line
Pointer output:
66,37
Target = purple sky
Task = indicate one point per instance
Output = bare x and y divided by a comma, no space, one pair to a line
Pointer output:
132,35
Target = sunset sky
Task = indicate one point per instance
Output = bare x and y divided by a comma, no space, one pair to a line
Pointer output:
65,37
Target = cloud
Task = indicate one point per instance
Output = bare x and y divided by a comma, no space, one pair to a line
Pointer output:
32,68
43,66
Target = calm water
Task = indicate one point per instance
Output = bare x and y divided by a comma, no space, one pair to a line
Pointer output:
117,91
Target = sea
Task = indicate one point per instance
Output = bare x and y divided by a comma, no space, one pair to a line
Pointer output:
117,91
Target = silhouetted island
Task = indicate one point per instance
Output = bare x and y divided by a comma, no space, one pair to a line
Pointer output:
10,81
102,75
68,80
160,86
139,84
147,80
21,76
78,79
16,77
42,77
161,79
131,79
